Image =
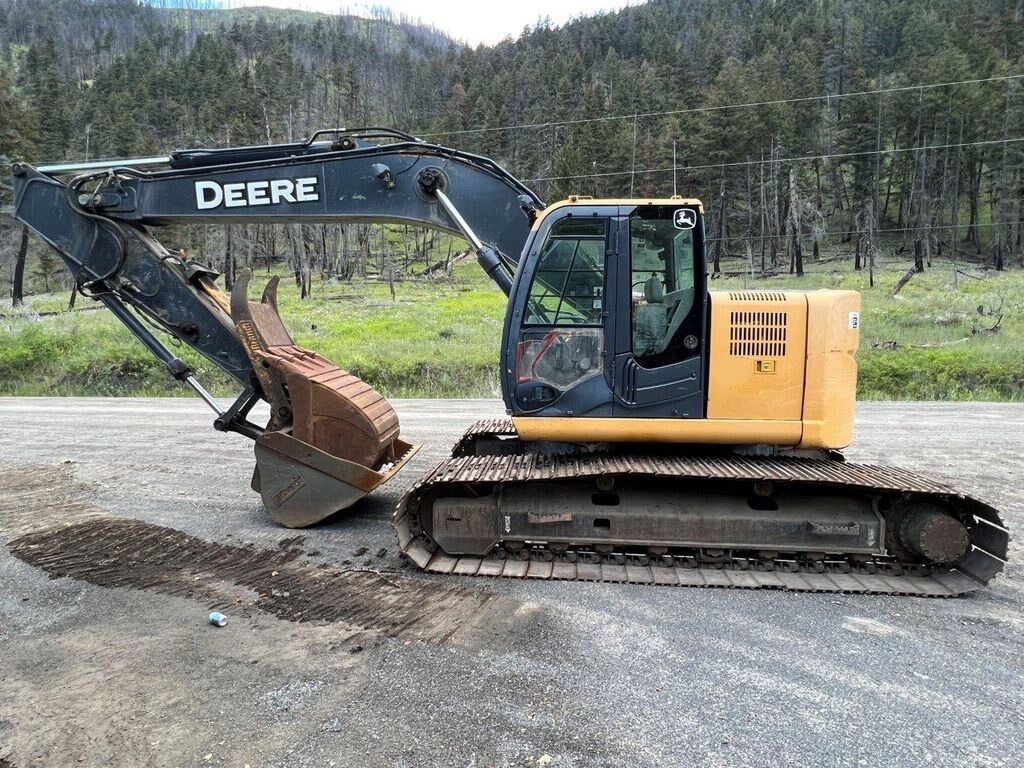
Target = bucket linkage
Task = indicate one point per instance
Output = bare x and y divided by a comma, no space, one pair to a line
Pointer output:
331,438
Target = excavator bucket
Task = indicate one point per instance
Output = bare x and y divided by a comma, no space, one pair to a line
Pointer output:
331,438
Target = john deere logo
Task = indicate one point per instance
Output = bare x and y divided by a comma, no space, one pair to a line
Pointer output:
685,218
211,194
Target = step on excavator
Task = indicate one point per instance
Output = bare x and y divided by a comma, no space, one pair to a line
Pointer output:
658,432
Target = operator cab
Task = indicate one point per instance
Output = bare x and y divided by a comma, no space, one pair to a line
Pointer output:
608,314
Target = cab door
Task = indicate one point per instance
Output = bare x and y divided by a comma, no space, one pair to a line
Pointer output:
660,316
555,350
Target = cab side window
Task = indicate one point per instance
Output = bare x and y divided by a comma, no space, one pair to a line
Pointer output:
568,286
662,277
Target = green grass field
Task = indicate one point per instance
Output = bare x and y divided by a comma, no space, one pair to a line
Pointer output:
931,341
441,339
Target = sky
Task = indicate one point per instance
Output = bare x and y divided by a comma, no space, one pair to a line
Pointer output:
482,21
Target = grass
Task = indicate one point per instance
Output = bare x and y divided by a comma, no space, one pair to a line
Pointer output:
931,341
436,339
441,339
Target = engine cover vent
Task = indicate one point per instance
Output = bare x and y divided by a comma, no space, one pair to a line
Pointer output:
757,334
757,296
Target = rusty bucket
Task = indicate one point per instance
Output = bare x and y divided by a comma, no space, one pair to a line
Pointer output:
331,438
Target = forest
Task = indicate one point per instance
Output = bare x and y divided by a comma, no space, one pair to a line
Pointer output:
876,145
809,128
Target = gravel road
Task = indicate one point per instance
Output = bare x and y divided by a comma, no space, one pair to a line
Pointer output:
116,665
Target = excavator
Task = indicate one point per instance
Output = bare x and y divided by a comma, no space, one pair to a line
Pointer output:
657,432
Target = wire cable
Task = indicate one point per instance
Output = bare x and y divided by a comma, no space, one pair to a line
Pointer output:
822,235
795,159
746,105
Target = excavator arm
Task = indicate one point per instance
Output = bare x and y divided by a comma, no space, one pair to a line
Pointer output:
330,438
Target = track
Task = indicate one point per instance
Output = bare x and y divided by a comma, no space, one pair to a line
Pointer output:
503,468
132,554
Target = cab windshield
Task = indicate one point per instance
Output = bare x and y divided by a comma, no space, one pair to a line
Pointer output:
568,286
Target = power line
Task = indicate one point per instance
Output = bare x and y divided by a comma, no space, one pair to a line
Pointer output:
783,237
747,105
798,158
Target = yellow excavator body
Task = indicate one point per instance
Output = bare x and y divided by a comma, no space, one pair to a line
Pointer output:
782,372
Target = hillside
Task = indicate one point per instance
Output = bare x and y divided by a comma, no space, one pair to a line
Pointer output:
831,140
936,164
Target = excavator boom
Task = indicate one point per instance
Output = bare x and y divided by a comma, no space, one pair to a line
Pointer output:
331,438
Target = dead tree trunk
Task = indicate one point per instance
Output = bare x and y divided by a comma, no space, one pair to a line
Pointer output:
18,284
919,217
974,201
775,224
229,258
794,223
888,183
720,236
903,281
764,214
1004,212
750,210
300,259
954,222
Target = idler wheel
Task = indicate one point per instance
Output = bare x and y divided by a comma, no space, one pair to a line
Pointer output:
928,531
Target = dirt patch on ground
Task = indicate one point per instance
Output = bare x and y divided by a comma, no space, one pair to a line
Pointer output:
41,495
240,579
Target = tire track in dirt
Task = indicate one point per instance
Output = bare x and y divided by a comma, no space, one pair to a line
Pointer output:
125,553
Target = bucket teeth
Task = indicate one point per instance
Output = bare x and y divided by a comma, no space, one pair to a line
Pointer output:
331,438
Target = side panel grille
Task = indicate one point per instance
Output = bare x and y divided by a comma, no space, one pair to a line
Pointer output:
757,356
757,334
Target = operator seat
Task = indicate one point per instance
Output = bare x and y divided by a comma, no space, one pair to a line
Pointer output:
650,320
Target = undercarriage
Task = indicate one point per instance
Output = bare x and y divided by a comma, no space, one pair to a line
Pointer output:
503,507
